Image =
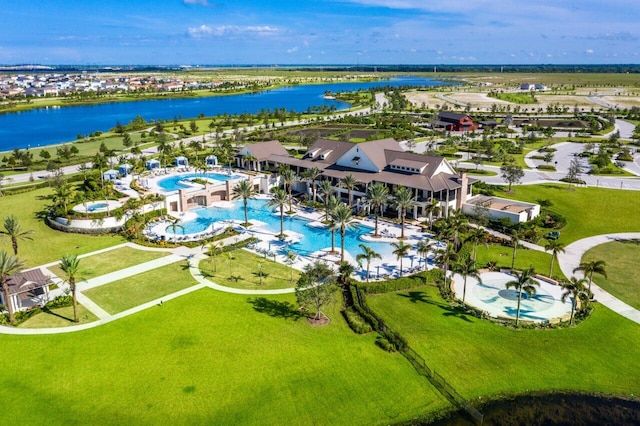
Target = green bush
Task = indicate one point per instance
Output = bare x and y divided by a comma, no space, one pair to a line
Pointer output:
404,283
547,167
355,321
398,342
385,344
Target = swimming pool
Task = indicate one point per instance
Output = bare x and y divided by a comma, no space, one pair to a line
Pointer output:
313,239
172,183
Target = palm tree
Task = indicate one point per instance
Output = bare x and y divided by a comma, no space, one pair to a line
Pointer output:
325,192
249,158
175,224
288,177
444,257
423,248
245,190
401,250
466,268
345,269
524,282
290,260
14,231
402,200
279,200
377,196
574,288
9,265
515,241
214,249
70,266
555,247
457,224
62,195
349,182
430,209
593,267
368,254
343,219
312,175
331,205
477,236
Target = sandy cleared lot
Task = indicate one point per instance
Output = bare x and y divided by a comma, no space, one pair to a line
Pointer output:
623,101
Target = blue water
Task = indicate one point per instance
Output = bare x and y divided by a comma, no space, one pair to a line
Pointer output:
42,127
97,207
314,238
172,183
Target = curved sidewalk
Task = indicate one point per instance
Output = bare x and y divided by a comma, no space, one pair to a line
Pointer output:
572,256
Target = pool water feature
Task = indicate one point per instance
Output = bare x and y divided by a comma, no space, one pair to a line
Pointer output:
313,238
172,183
97,206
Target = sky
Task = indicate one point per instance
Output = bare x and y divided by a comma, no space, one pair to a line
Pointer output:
266,32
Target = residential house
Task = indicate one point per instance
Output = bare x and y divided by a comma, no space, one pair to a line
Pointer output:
455,122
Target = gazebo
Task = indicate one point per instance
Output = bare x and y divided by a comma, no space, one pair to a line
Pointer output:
211,161
27,289
110,175
124,169
152,164
182,162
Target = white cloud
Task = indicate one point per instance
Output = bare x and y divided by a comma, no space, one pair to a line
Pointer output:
294,49
223,30
200,2
589,51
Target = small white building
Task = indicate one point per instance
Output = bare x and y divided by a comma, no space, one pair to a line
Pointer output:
211,161
498,208
152,164
110,175
182,161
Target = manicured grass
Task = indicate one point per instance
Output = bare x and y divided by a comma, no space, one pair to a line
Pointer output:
110,261
480,358
47,245
61,317
622,269
518,98
211,358
589,211
246,265
130,292
524,258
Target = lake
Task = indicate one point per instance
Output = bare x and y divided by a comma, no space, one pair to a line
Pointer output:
47,126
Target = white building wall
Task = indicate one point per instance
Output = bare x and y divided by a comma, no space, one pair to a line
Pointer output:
365,162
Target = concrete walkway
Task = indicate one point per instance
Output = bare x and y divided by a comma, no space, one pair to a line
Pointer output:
571,258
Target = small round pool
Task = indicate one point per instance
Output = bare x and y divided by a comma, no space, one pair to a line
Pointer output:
492,296
176,182
97,206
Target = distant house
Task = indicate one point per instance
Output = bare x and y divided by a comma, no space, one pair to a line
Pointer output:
27,289
532,87
499,208
454,122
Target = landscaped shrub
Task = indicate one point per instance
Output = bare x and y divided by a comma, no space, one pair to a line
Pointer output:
355,321
547,167
396,340
404,283
383,343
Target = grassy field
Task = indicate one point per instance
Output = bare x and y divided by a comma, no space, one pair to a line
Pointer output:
47,245
61,317
130,292
211,358
622,269
246,265
586,208
111,261
524,258
517,98
483,359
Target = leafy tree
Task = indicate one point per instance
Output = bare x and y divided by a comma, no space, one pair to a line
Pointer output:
14,232
433,207
349,182
592,267
326,190
575,289
9,265
312,174
377,196
477,236
511,172
424,248
288,177
516,236
245,190
575,170
70,265
213,251
524,282
316,287
175,225
290,260
368,254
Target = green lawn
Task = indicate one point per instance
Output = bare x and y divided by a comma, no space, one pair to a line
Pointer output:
47,245
622,269
61,317
130,292
211,358
246,265
589,211
111,261
524,258
483,359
